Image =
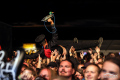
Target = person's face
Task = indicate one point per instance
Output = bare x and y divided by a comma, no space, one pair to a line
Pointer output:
66,69
112,55
110,71
91,73
27,75
78,75
45,73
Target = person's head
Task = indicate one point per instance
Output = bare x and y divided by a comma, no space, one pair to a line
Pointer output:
66,69
79,74
92,72
41,39
100,60
84,67
111,69
45,73
80,66
111,54
87,57
53,66
23,68
29,74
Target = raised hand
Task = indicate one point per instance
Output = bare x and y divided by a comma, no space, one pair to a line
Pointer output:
97,49
71,51
54,55
90,50
50,20
81,54
58,57
95,58
39,61
39,58
64,57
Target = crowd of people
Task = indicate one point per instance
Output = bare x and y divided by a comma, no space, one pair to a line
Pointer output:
92,66
57,62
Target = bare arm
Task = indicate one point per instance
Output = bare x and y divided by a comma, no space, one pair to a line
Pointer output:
39,62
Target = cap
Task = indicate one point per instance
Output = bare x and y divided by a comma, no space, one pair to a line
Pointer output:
40,38
52,64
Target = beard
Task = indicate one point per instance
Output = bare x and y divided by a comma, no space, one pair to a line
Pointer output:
64,74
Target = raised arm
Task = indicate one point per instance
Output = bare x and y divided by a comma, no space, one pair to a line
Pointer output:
54,33
39,62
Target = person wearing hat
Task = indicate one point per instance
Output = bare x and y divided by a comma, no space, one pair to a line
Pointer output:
45,52
50,46
47,46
